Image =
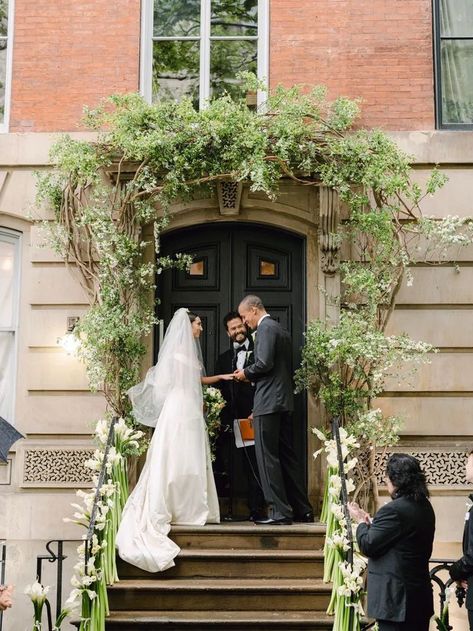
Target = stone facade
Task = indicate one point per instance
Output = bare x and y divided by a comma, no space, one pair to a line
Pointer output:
386,61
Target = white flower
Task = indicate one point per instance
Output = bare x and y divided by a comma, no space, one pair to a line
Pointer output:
37,592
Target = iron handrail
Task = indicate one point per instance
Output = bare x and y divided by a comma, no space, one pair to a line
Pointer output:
344,492
93,516
444,565
3,562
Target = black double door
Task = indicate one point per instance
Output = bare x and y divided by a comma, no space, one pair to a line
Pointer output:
229,262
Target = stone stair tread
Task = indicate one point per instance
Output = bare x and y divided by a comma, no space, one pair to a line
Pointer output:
220,616
224,584
250,528
246,553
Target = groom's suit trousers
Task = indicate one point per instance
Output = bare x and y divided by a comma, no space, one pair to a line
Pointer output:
280,472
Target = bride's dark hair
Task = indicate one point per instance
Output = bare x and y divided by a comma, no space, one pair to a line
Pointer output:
192,316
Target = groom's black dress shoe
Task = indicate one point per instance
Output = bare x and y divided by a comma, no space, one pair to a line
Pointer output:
256,516
283,521
306,518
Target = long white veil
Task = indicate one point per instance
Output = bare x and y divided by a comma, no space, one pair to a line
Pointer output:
177,367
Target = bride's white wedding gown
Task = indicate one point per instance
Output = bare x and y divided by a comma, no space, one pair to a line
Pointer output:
176,485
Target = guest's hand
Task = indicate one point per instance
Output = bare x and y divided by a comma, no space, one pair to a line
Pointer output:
358,514
6,597
239,375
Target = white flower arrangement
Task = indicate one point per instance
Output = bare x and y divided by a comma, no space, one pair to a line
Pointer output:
346,578
91,578
213,406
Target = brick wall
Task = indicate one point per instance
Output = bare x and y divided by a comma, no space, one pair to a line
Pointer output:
379,50
68,53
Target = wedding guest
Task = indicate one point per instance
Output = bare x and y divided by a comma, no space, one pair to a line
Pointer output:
462,570
398,543
6,596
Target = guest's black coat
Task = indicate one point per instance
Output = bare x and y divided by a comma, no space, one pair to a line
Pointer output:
398,544
463,568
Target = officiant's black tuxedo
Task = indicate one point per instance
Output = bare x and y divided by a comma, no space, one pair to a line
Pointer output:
282,475
398,544
463,568
239,398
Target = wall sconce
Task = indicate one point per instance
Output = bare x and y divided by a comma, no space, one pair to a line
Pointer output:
69,341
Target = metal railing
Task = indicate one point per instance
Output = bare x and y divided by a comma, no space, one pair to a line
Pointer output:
54,557
93,516
3,563
441,565
344,493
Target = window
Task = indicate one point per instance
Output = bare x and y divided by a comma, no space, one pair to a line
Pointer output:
6,21
9,294
454,63
195,48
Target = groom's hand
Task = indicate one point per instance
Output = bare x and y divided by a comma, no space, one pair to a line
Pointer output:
239,375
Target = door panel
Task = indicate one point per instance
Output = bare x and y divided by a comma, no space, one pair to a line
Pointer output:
231,261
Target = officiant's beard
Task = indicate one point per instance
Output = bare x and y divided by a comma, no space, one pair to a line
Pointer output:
239,337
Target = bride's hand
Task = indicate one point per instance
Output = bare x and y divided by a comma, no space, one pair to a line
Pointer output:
228,377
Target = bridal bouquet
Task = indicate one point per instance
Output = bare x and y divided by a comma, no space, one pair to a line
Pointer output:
213,405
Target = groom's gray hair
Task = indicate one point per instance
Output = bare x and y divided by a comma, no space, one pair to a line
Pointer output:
253,301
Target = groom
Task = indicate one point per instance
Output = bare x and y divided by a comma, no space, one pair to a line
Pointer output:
280,472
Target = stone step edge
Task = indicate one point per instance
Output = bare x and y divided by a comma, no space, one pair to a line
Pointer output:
239,553
251,529
224,584
220,616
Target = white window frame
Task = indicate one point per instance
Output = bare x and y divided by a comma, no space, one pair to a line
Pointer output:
4,125
146,66
13,237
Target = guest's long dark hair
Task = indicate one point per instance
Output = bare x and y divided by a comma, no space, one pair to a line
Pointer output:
407,477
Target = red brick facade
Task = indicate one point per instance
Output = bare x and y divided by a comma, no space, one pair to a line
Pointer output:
378,50
70,53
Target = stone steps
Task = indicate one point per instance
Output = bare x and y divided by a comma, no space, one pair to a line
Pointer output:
279,594
252,563
250,536
230,575
203,620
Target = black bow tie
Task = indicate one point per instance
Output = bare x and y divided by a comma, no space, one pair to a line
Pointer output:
240,348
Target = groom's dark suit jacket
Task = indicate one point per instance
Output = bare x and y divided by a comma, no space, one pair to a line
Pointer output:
271,370
463,568
398,545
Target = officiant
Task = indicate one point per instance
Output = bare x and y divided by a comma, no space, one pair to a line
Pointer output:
235,446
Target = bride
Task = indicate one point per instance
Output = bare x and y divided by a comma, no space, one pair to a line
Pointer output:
176,484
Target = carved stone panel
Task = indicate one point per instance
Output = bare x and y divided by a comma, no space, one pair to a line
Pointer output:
442,468
229,197
55,467
329,217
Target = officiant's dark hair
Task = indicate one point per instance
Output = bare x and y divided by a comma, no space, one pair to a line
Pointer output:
407,477
231,315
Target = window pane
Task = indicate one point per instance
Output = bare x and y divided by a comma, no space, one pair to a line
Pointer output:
6,375
176,71
179,18
267,268
233,17
226,59
457,82
3,18
197,268
7,275
3,67
456,18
